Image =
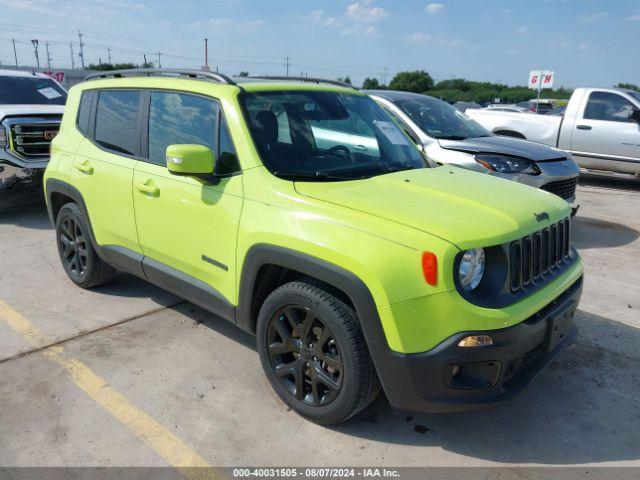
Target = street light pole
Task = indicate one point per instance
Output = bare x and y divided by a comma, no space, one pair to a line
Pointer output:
35,47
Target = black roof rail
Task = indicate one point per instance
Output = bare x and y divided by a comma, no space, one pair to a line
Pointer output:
303,79
168,72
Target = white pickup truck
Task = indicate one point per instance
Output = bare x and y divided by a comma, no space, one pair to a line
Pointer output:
600,128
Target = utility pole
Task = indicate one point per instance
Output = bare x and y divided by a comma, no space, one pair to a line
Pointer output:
144,55
35,47
287,63
159,54
384,75
48,56
15,55
206,55
109,54
73,62
81,54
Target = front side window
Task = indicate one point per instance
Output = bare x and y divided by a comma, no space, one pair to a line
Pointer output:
116,121
609,107
30,91
179,118
327,135
440,120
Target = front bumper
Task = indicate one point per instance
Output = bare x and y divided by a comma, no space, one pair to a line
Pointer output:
17,174
488,375
552,173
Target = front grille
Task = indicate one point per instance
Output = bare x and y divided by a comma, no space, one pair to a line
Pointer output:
537,256
32,140
563,188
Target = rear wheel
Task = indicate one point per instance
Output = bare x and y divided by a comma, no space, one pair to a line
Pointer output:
313,353
79,259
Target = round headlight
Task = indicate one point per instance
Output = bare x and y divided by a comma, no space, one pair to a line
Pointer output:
471,268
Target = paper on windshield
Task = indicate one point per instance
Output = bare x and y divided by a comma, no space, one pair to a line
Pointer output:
50,93
391,132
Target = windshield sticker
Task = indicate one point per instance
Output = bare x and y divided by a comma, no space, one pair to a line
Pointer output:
391,132
50,93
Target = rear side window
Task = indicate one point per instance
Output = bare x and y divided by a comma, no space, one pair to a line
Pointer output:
609,107
176,118
84,111
116,121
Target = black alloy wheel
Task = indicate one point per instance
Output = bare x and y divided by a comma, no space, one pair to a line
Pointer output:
304,355
74,246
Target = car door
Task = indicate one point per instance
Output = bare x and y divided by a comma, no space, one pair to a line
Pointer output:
188,226
605,136
103,170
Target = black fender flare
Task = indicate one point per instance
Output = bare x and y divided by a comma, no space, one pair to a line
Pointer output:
388,364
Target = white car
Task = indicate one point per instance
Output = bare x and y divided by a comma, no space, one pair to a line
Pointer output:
31,106
600,128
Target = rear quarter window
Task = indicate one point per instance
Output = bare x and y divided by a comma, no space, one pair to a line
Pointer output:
84,111
116,121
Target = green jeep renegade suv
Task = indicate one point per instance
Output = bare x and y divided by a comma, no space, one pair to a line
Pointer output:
299,211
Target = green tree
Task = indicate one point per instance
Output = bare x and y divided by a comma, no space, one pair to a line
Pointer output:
417,81
346,79
243,74
628,86
371,84
105,67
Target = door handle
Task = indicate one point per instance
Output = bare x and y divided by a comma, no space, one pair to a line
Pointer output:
150,189
84,167
583,127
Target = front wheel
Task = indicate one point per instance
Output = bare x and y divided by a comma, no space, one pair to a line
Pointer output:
313,353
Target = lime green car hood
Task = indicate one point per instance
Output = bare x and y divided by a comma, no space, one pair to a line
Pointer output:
465,208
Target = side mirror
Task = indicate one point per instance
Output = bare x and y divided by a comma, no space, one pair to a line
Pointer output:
635,115
190,159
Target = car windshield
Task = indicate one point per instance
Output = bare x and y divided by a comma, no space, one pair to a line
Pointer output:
327,136
635,95
440,120
30,91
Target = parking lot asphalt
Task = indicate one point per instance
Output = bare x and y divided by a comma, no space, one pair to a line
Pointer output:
129,375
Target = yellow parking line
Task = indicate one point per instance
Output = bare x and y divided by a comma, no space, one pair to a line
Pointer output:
170,447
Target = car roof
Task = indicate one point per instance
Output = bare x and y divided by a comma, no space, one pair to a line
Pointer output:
22,74
161,78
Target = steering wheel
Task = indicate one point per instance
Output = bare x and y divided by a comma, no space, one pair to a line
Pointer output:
339,148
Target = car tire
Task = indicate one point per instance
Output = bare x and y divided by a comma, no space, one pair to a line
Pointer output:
313,352
78,256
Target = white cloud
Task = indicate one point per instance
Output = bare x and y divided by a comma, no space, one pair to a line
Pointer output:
513,51
634,18
583,46
419,37
434,8
319,17
594,17
366,12
522,29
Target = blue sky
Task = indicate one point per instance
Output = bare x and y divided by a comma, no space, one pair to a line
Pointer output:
586,42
